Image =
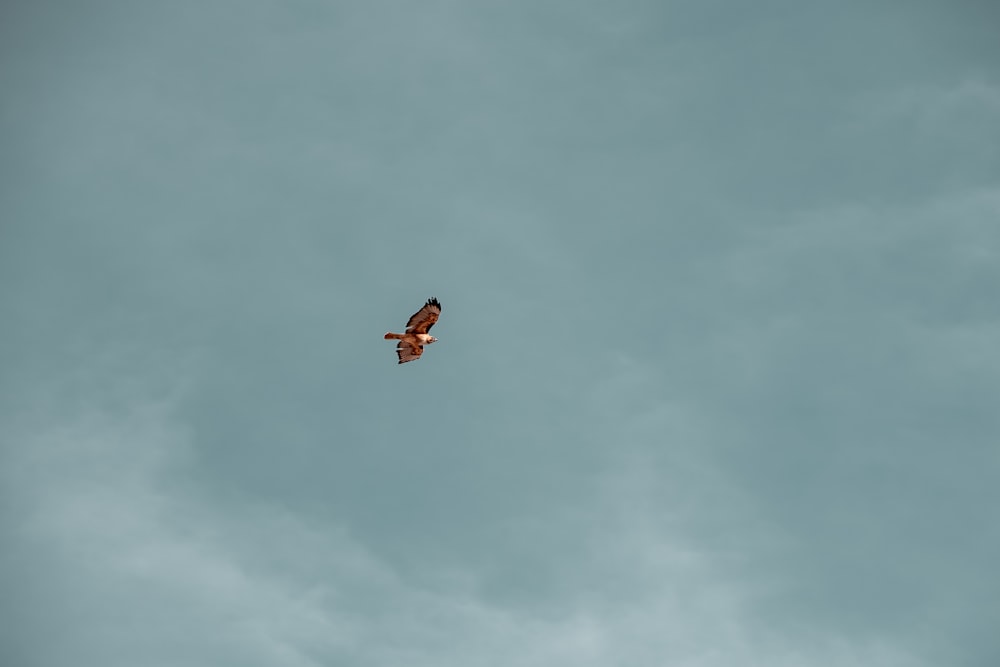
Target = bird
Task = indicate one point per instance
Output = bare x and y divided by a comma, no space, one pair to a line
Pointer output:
411,344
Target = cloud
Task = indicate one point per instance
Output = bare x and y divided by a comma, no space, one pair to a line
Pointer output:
121,552
131,567
923,138
930,103
843,371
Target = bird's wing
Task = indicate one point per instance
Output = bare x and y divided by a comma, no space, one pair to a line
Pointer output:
408,351
424,319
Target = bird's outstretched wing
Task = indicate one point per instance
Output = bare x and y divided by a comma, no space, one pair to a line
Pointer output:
407,351
424,319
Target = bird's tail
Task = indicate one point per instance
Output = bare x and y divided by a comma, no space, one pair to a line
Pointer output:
393,336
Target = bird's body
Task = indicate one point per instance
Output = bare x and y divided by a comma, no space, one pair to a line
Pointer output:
411,344
415,339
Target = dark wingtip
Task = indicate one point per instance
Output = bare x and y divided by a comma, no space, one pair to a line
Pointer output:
433,302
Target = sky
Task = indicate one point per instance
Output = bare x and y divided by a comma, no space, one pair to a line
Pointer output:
717,378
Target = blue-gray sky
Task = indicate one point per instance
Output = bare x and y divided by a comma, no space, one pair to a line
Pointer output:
718,375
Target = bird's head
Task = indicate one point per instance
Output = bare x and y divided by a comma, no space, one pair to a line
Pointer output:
432,339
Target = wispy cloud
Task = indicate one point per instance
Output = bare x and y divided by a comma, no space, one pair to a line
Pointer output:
931,104
143,564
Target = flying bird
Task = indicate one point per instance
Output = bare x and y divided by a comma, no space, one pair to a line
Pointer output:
411,344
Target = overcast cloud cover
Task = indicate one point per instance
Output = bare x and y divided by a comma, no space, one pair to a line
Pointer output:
718,374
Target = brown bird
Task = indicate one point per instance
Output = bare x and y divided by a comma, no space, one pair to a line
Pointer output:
411,344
